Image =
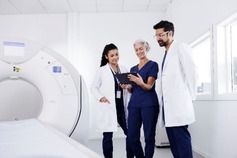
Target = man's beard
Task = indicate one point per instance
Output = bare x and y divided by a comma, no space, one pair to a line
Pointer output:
162,43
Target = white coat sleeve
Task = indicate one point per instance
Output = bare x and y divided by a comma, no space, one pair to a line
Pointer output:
189,69
95,86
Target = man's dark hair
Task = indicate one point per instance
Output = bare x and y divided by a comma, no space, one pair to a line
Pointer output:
168,26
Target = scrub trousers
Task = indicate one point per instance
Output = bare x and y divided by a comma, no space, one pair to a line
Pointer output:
148,118
107,142
180,141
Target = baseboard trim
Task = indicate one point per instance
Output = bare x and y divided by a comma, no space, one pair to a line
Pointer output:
201,153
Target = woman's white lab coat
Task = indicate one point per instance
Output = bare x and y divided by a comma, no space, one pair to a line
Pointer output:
104,86
177,86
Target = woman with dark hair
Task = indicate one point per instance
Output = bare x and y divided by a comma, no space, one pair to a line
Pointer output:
111,99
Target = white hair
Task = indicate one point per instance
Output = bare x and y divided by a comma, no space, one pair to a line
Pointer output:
144,43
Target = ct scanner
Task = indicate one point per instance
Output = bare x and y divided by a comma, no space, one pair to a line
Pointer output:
38,86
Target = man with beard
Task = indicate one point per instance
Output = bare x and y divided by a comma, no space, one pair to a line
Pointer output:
176,90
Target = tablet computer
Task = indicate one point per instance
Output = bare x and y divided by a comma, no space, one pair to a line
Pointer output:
123,77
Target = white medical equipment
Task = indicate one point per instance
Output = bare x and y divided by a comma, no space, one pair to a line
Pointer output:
32,138
161,138
36,82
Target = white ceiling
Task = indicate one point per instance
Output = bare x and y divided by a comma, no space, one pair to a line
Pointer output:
82,6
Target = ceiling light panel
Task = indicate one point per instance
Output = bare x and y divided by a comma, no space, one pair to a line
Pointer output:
109,8
83,6
136,2
28,6
82,2
109,5
134,8
84,9
159,2
55,6
7,8
157,7
109,2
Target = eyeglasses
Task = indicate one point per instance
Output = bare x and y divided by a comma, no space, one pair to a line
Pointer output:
161,34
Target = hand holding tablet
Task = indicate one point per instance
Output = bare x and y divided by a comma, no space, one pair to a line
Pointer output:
123,77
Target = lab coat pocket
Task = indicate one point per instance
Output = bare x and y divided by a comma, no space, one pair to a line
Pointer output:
106,116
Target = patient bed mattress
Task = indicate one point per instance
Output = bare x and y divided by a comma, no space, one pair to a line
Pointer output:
34,139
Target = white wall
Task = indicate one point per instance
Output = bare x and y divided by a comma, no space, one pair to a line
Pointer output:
48,30
193,18
214,131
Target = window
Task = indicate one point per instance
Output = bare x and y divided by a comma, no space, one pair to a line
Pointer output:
202,56
215,55
226,39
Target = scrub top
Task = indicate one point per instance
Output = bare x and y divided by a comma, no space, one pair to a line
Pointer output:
141,98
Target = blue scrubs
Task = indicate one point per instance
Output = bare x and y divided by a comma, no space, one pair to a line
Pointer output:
143,109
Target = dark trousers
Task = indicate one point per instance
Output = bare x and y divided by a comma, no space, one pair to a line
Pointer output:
107,142
180,141
148,117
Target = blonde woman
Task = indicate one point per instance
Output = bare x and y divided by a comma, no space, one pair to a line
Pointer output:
143,107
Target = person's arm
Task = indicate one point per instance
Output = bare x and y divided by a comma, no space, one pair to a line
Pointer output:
95,86
139,81
189,69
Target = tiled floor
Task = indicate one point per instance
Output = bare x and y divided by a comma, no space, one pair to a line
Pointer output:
119,149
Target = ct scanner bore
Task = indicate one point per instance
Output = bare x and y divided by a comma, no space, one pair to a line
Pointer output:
36,82
10,109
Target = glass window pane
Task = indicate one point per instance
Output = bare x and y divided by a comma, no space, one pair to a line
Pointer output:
227,58
234,56
202,57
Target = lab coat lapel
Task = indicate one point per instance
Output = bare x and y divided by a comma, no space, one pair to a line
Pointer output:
168,55
108,70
